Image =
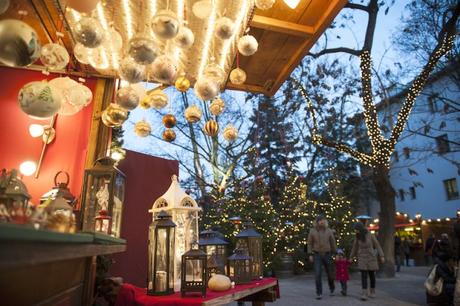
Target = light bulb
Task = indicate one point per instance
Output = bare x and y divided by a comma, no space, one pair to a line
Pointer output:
28,168
36,130
292,3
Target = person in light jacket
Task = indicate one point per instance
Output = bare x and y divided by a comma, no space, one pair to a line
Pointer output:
367,249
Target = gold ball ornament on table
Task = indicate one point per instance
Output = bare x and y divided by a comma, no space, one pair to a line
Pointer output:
131,71
142,128
230,133
169,121
237,76
219,282
247,45
182,83
39,99
89,32
224,28
165,24
185,38
211,128
127,98
143,49
19,44
157,99
217,106
54,56
114,115
169,135
206,89
163,69
264,4
193,114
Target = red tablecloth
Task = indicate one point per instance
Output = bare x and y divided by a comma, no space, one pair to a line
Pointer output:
130,295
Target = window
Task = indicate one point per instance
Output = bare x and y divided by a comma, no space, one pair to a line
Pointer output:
442,142
433,103
413,194
406,151
401,195
451,188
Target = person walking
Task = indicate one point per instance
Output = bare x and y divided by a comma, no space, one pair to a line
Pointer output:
406,249
429,243
321,245
367,249
398,252
341,270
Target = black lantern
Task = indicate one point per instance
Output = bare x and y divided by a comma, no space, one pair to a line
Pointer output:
62,189
213,245
239,267
251,241
102,197
161,255
14,198
193,271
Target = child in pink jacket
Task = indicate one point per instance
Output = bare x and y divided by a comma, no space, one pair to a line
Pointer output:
341,270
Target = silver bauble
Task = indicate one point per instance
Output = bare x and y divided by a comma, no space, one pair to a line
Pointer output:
89,32
131,71
54,56
81,53
224,28
163,70
184,38
247,45
165,24
206,89
143,49
214,72
127,98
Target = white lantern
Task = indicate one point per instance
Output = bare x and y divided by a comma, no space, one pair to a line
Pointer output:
247,45
54,56
165,24
164,69
184,211
89,32
184,38
206,89
39,99
127,98
143,50
131,71
224,28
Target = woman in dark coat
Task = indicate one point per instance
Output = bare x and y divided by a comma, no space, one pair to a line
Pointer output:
367,249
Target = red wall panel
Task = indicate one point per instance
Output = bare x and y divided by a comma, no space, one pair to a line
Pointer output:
67,152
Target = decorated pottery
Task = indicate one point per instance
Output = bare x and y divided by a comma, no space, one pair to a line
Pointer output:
169,135
169,121
264,4
142,128
224,28
211,128
230,133
206,89
219,282
54,56
19,45
247,45
192,114
131,71
83,6
217,106
182,83
157,99
164,69
89,32
143,49
184,38
39,99
165,24
127,98
237,76
114,115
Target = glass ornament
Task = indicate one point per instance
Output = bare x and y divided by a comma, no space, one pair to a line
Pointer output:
169,121
131,71
185,38
83,6
214,72
163,69
98,57
157,99
182,83
89,32
54,56
83,96
192,114
169,135
230,133
202,9
114,115
217,106
264,4
81,53
143,49
211,128
237,76
142,128
127,98
114,39
224,28
71,91
19,44
140,90
4,5
39,99
206,89
165,24
247,45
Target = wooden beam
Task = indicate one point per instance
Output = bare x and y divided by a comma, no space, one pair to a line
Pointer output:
247,88
281,26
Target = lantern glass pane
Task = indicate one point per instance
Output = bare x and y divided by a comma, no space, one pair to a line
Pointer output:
118,198
97,197
171,261
194,270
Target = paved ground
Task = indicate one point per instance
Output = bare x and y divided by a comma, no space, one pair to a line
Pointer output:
406,289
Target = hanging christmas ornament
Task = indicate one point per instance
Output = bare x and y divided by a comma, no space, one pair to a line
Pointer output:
169,121
157,99
211,128
163,69
39,99
202,9
4,5
114,39
192,113
131,71
237,76
127,98
206,89
140,90
169,135
81,53
83,6
83,96
165,24
142,49
74,96
142,128
98,57
89,32
182,83
224,28
217,106
54,56
247,45
214,72
184,38
230,133
264,4
114,115
19,45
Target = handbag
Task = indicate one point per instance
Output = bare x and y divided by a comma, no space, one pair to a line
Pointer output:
433,286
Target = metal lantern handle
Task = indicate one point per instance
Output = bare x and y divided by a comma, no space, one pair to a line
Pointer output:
56,176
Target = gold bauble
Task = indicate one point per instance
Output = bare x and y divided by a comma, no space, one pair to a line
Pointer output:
142,128
182,83
217,106
192,114
211,128
145,103
230,133
237,76
169,135
156,98
114,115
169,121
